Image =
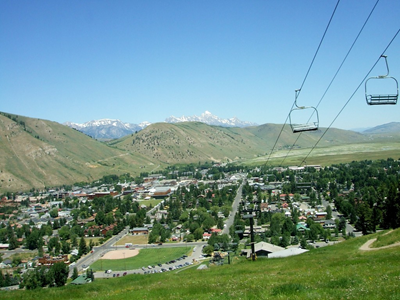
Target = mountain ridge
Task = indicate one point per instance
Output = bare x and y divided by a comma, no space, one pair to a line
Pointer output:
108,129
36,153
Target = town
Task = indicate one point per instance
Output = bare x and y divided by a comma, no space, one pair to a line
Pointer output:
216,210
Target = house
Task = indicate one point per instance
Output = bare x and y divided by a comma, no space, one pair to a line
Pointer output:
329,224
287,252
264,207
320,215
216,230
206,236
301,227
161,192
82,279
107,229
262,249
7,263
50,260
140,230
4,246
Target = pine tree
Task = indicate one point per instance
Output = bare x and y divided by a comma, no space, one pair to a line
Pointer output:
82,247
75,274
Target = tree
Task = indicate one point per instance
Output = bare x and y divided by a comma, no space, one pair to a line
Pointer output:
32,241
75,274
220,223
328,212
208,250
60,273
64,233
54,213
314,232
364,221
303,243
198,233
82,247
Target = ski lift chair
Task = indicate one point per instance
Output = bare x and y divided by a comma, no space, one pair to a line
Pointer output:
301,127
382,99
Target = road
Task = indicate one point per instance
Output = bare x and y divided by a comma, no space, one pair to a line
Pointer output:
8,253
97,252
109,245
235,206
349,228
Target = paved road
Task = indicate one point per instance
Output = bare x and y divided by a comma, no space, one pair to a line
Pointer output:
349,228
8,253
235,206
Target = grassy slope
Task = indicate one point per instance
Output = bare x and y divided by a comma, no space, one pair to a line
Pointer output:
192,142
59,156
333,155
341,271
62,155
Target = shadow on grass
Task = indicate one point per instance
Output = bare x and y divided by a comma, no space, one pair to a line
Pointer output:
287,289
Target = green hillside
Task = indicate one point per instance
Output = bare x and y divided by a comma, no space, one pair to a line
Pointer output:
193,142
341,271
39,153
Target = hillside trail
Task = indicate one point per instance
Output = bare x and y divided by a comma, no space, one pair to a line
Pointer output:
367,245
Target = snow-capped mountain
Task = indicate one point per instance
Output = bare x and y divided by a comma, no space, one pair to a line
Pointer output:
210,119
107,128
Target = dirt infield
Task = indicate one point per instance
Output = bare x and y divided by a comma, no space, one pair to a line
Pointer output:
120,254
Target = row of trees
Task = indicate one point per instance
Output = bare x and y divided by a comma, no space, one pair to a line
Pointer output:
54,276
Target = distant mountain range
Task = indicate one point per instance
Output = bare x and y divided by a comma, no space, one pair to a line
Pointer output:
210,119
108,129
40,153
388,128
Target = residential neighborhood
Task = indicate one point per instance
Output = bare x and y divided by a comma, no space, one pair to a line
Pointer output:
278,212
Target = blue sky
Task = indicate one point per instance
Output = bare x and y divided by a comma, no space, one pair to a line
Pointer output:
147,60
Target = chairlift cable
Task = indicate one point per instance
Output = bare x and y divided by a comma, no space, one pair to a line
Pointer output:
351,97
305,78
334,77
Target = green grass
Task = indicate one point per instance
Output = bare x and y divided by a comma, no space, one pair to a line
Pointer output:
340,271
143,259
152,202
386,239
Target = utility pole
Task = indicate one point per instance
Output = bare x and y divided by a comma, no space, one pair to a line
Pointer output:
250,214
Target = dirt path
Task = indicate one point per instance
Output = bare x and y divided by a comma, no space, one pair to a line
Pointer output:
367,246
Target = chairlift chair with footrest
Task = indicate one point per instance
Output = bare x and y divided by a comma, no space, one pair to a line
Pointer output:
301,127
382,98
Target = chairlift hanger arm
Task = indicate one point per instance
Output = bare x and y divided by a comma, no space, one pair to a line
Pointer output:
382,99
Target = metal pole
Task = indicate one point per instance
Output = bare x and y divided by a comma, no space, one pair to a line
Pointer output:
253,251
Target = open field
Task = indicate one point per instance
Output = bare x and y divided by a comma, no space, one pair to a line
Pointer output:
332,155
134,239
148,256
152,202
93,239
340,271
